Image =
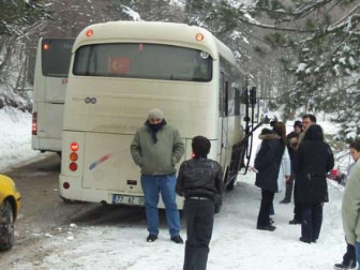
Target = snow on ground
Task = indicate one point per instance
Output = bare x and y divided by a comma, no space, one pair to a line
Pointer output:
15,137
236,244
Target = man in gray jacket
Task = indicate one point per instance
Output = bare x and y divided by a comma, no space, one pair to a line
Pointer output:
156,148
351,209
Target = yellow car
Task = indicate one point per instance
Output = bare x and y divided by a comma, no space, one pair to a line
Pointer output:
9,208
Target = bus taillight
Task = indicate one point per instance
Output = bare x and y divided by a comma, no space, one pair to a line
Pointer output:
73,156
73,166
46,46
34,123
74,146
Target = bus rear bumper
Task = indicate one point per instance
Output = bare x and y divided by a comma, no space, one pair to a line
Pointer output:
70,189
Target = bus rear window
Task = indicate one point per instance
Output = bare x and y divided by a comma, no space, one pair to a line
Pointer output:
142,60
56,56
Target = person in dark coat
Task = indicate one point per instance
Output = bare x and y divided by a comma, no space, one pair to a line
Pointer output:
267,167
313,160
200,181
292,144
307,121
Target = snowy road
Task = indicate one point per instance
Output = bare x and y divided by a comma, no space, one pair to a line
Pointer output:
54,235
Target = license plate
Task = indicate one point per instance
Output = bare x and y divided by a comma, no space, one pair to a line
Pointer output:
124,199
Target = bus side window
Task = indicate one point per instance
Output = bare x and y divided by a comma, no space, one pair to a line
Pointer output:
226,103
223,96
237,101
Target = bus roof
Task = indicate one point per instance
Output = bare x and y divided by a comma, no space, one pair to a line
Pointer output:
154,32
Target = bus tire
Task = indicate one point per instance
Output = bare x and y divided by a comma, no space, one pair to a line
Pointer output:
233,169
228,185
7,236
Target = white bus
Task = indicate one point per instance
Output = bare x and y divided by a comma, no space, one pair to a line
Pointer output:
121,70
51,72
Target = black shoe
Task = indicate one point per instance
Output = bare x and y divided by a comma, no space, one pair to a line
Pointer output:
294,222
284,201
343,266
266,228
177,239
151,238
302,239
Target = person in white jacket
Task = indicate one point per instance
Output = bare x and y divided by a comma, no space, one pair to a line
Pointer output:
285,170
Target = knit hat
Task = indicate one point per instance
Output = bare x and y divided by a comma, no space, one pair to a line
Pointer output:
156,114
201,146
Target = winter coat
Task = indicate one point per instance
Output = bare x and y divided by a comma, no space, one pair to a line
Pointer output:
351,206
267,162
157,158
285,169
200,177
313,160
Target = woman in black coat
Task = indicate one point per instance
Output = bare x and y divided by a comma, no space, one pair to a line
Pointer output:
313,160
267,167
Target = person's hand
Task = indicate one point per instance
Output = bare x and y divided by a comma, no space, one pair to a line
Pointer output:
254,170
287,177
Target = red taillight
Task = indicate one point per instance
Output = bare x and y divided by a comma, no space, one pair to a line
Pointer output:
46,46
74,146
73,166
89,33
66,185
34,123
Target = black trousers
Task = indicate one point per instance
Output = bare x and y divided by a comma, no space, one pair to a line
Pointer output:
199,225
297,208
289,188
312,216
297,211
350,255
267,198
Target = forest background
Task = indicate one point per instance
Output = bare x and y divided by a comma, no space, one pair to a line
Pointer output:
302,55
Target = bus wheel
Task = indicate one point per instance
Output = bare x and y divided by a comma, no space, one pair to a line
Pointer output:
230,186
229,183
6,226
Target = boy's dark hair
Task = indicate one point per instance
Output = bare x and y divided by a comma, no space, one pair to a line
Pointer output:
355,145
310,116
201,146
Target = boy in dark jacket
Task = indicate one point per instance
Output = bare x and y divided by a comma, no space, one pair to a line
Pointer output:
200,181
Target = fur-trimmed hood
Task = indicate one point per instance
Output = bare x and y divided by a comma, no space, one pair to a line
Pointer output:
272,136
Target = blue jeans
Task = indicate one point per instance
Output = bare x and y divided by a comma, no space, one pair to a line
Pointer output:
358,254
152,186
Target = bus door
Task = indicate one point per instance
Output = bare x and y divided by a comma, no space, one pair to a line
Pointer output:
224,94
